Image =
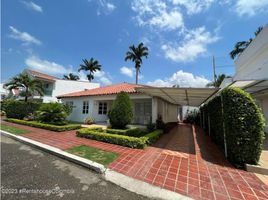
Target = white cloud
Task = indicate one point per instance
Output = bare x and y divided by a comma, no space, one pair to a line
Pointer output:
193,6
23,36
33,6
103,77
46,66
104,6
128,71
181,78
157,14
193,45
50,67
250,7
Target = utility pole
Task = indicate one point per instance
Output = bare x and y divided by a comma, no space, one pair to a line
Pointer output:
214,70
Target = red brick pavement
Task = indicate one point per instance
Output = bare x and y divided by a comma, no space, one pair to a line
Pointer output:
199,171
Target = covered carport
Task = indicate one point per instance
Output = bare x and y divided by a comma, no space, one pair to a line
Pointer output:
179,96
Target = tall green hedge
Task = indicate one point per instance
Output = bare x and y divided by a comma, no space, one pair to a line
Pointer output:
19,109
244,125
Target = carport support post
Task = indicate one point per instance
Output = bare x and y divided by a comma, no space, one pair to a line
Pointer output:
223,126
203,120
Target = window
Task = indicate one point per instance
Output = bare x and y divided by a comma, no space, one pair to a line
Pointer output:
46,85
102,108
85,107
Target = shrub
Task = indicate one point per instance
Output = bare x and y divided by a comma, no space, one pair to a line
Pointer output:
29,117
244,125
52,113
89,120
134,132
121,112
159,122
123,140
19,109
192,117
45,126
151,126
153,136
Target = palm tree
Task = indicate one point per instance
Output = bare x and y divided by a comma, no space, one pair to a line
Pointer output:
26,84
71,76
242,45
135,55
218,80
90,65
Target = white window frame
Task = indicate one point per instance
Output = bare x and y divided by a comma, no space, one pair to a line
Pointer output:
102,108
85,107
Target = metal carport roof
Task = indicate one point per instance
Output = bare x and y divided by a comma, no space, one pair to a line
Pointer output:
180,96
252,86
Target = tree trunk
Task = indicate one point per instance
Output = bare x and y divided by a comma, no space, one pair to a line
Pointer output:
137,75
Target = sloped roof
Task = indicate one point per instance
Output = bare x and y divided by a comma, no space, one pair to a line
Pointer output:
107,90
41,75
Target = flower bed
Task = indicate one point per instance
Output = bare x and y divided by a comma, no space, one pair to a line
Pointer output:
58,128
120,139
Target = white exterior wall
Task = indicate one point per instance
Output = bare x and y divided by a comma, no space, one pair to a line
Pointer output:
168,111
77,114
61,87
253,62
262,101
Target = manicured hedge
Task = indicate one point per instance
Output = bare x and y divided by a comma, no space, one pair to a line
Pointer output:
244,125
123,140
19,109
44,126
133,132
153,136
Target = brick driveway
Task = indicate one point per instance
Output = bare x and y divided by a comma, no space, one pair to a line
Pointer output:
184,161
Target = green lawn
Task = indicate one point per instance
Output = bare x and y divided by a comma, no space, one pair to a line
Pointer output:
13,130
96,155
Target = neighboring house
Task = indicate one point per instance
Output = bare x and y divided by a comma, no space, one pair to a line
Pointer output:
54,86
97,102
3,92
252,71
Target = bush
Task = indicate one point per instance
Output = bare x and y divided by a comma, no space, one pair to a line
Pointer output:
134,132
244,125
52,113
45,126
150,127
153,136
159,122
121,112
19,109
89,120
192,117
123,140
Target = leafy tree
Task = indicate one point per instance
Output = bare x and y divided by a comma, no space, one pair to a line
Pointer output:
242,45
218,81
26,84
90,65
71,76
121,112
135,55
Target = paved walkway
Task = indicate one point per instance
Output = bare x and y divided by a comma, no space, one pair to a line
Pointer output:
184,161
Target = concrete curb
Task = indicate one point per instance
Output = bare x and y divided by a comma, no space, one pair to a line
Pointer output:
257,169
57,152
142,188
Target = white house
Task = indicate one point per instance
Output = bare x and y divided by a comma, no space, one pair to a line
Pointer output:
54,86
3,92
97,102
252,71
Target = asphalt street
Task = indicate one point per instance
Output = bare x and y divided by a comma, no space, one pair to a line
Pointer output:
28,173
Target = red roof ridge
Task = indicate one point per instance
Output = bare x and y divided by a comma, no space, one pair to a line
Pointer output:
106,90
41,75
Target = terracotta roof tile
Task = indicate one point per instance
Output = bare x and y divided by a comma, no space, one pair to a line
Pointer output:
41,75
107,90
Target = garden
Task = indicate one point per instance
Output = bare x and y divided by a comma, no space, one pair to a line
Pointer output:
50,116
120,115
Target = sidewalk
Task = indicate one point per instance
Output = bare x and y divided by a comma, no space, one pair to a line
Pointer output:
184,161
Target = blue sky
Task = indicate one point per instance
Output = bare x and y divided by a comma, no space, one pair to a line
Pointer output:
182,35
